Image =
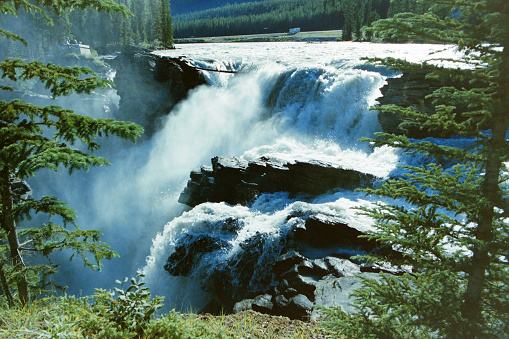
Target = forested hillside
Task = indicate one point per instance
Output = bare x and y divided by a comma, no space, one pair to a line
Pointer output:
275,16
150,25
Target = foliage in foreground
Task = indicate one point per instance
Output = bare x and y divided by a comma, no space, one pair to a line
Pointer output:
130,313
45,319
453,228
34,138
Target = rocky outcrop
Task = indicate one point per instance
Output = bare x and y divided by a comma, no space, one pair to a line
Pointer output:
411,90
301,284
289,275
150,86
305,266
235,181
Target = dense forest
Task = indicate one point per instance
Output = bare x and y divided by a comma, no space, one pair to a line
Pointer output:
187,6
149,25
276,16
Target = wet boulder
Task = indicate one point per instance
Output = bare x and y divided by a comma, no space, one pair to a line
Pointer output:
263,304
189,251
243,305
287,262
342,267
246,273
299,307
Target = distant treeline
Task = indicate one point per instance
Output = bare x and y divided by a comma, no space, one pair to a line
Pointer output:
276,16
150,25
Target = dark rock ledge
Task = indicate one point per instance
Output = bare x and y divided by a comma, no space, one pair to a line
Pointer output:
235,181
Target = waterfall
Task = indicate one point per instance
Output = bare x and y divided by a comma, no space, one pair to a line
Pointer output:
293,102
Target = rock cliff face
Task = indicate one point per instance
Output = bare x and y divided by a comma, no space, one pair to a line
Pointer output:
411,90
150,86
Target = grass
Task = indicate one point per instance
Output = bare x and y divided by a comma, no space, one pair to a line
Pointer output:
69,317
334,35
250,324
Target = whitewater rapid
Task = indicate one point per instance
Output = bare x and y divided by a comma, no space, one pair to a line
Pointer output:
290,101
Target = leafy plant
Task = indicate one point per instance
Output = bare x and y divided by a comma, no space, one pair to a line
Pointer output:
131,309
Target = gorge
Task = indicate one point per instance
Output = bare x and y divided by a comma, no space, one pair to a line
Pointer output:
273,221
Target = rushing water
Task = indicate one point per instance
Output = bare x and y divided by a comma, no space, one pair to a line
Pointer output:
291,101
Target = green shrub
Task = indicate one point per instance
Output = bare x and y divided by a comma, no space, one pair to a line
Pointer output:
129,310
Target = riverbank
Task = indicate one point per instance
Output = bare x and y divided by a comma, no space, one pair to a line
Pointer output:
314,36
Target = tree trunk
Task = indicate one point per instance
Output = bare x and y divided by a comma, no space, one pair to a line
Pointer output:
5,286
491,192
9,225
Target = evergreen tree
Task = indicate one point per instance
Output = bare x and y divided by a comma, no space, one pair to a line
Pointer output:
453,231
34,138
348,9
165,24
